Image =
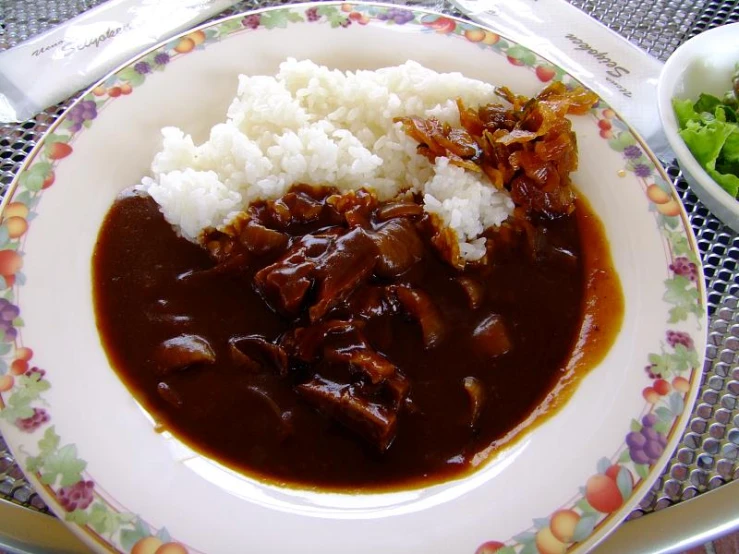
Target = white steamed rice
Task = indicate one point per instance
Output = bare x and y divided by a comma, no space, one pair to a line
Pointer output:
313,125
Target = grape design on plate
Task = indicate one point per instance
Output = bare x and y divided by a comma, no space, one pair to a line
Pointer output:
684,267
30,424
399,16
8,312
646,445
252,21
76,497
84,111
678,337
312,14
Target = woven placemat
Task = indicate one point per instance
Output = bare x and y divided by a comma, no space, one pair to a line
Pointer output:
708,454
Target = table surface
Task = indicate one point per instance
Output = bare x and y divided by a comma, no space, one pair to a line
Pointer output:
708,454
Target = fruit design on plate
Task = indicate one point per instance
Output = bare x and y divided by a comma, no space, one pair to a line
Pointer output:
647,438
27,418
155,545
683,291
440,24
482,36
637,162
606,123
62,473
189,42
517,55
9,322
545,72
604,493
645,443
10,264
13,212
399,16
80,113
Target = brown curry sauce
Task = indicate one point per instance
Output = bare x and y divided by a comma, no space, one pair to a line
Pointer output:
561,309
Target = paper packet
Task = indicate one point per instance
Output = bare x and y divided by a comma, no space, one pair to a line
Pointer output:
54,65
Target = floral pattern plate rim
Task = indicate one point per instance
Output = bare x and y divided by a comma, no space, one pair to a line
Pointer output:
124,488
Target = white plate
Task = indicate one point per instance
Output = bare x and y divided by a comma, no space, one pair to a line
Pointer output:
90,446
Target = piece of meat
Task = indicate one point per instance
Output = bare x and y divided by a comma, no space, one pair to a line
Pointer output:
219,245
360,357
372,384
352,349
376,422
260,240
473,290
491,336
370,301
255,353
476,393
225,250
334,263
306,343
169,395
419,305
285,283
400,208
244,360
354,206
295,207
399,387
346,264
339,342
399,245
183,351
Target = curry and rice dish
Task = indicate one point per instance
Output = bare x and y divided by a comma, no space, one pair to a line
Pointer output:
360,281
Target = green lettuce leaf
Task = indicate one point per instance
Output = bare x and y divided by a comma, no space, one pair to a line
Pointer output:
728,160
710,131
707,103
706,140
684,112
727,181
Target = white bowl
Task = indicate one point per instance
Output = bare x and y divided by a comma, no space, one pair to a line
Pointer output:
705,64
